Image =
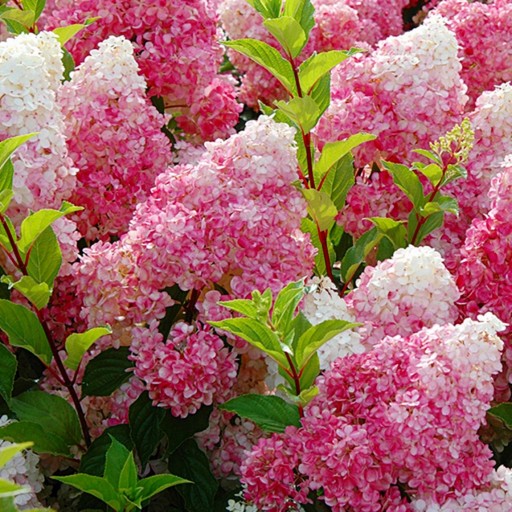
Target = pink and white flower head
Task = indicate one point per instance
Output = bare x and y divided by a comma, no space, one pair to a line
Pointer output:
408,92
403,294
484,34
177,49
406,412
114,136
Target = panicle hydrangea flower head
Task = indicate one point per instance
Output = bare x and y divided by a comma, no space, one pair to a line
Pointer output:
44,175
484,34
403,294
176,47
191,369
30,74
408,91
114,136
406,413
484,275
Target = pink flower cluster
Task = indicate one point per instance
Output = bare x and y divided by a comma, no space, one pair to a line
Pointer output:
484,275
408,91
232,218
176,48
491,121
484,34
114,137
403,294
402,418
190,370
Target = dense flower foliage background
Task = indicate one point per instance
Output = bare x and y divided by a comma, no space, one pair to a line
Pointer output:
194,194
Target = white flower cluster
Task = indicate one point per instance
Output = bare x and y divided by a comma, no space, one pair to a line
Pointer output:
113,65
324,303
22,469
403,294
30,74
240,505
492,121
412,58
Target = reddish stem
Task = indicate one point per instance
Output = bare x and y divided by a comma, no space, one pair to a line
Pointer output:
296,379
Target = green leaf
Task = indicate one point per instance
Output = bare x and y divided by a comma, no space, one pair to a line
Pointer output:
4,238
310,372
179,430
339,181
8,489
408,182
503,411
45,258
96,486
153,485
454,172
145,422
269,412
302,11
6,177
285,305
54,414
37,293
392,229
432,222
321,208
8,367
441,204
120,468
44,442
68,63
24,18
288,32
321,93
5,199
8,452
244,306
316,336
304,112
256,334
356,255
36,223
268,57
315,67
429,155
66,33
267,8
93,461
432,172
78,344
335,151
34,5
191,463
106,372
24,330
10,145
